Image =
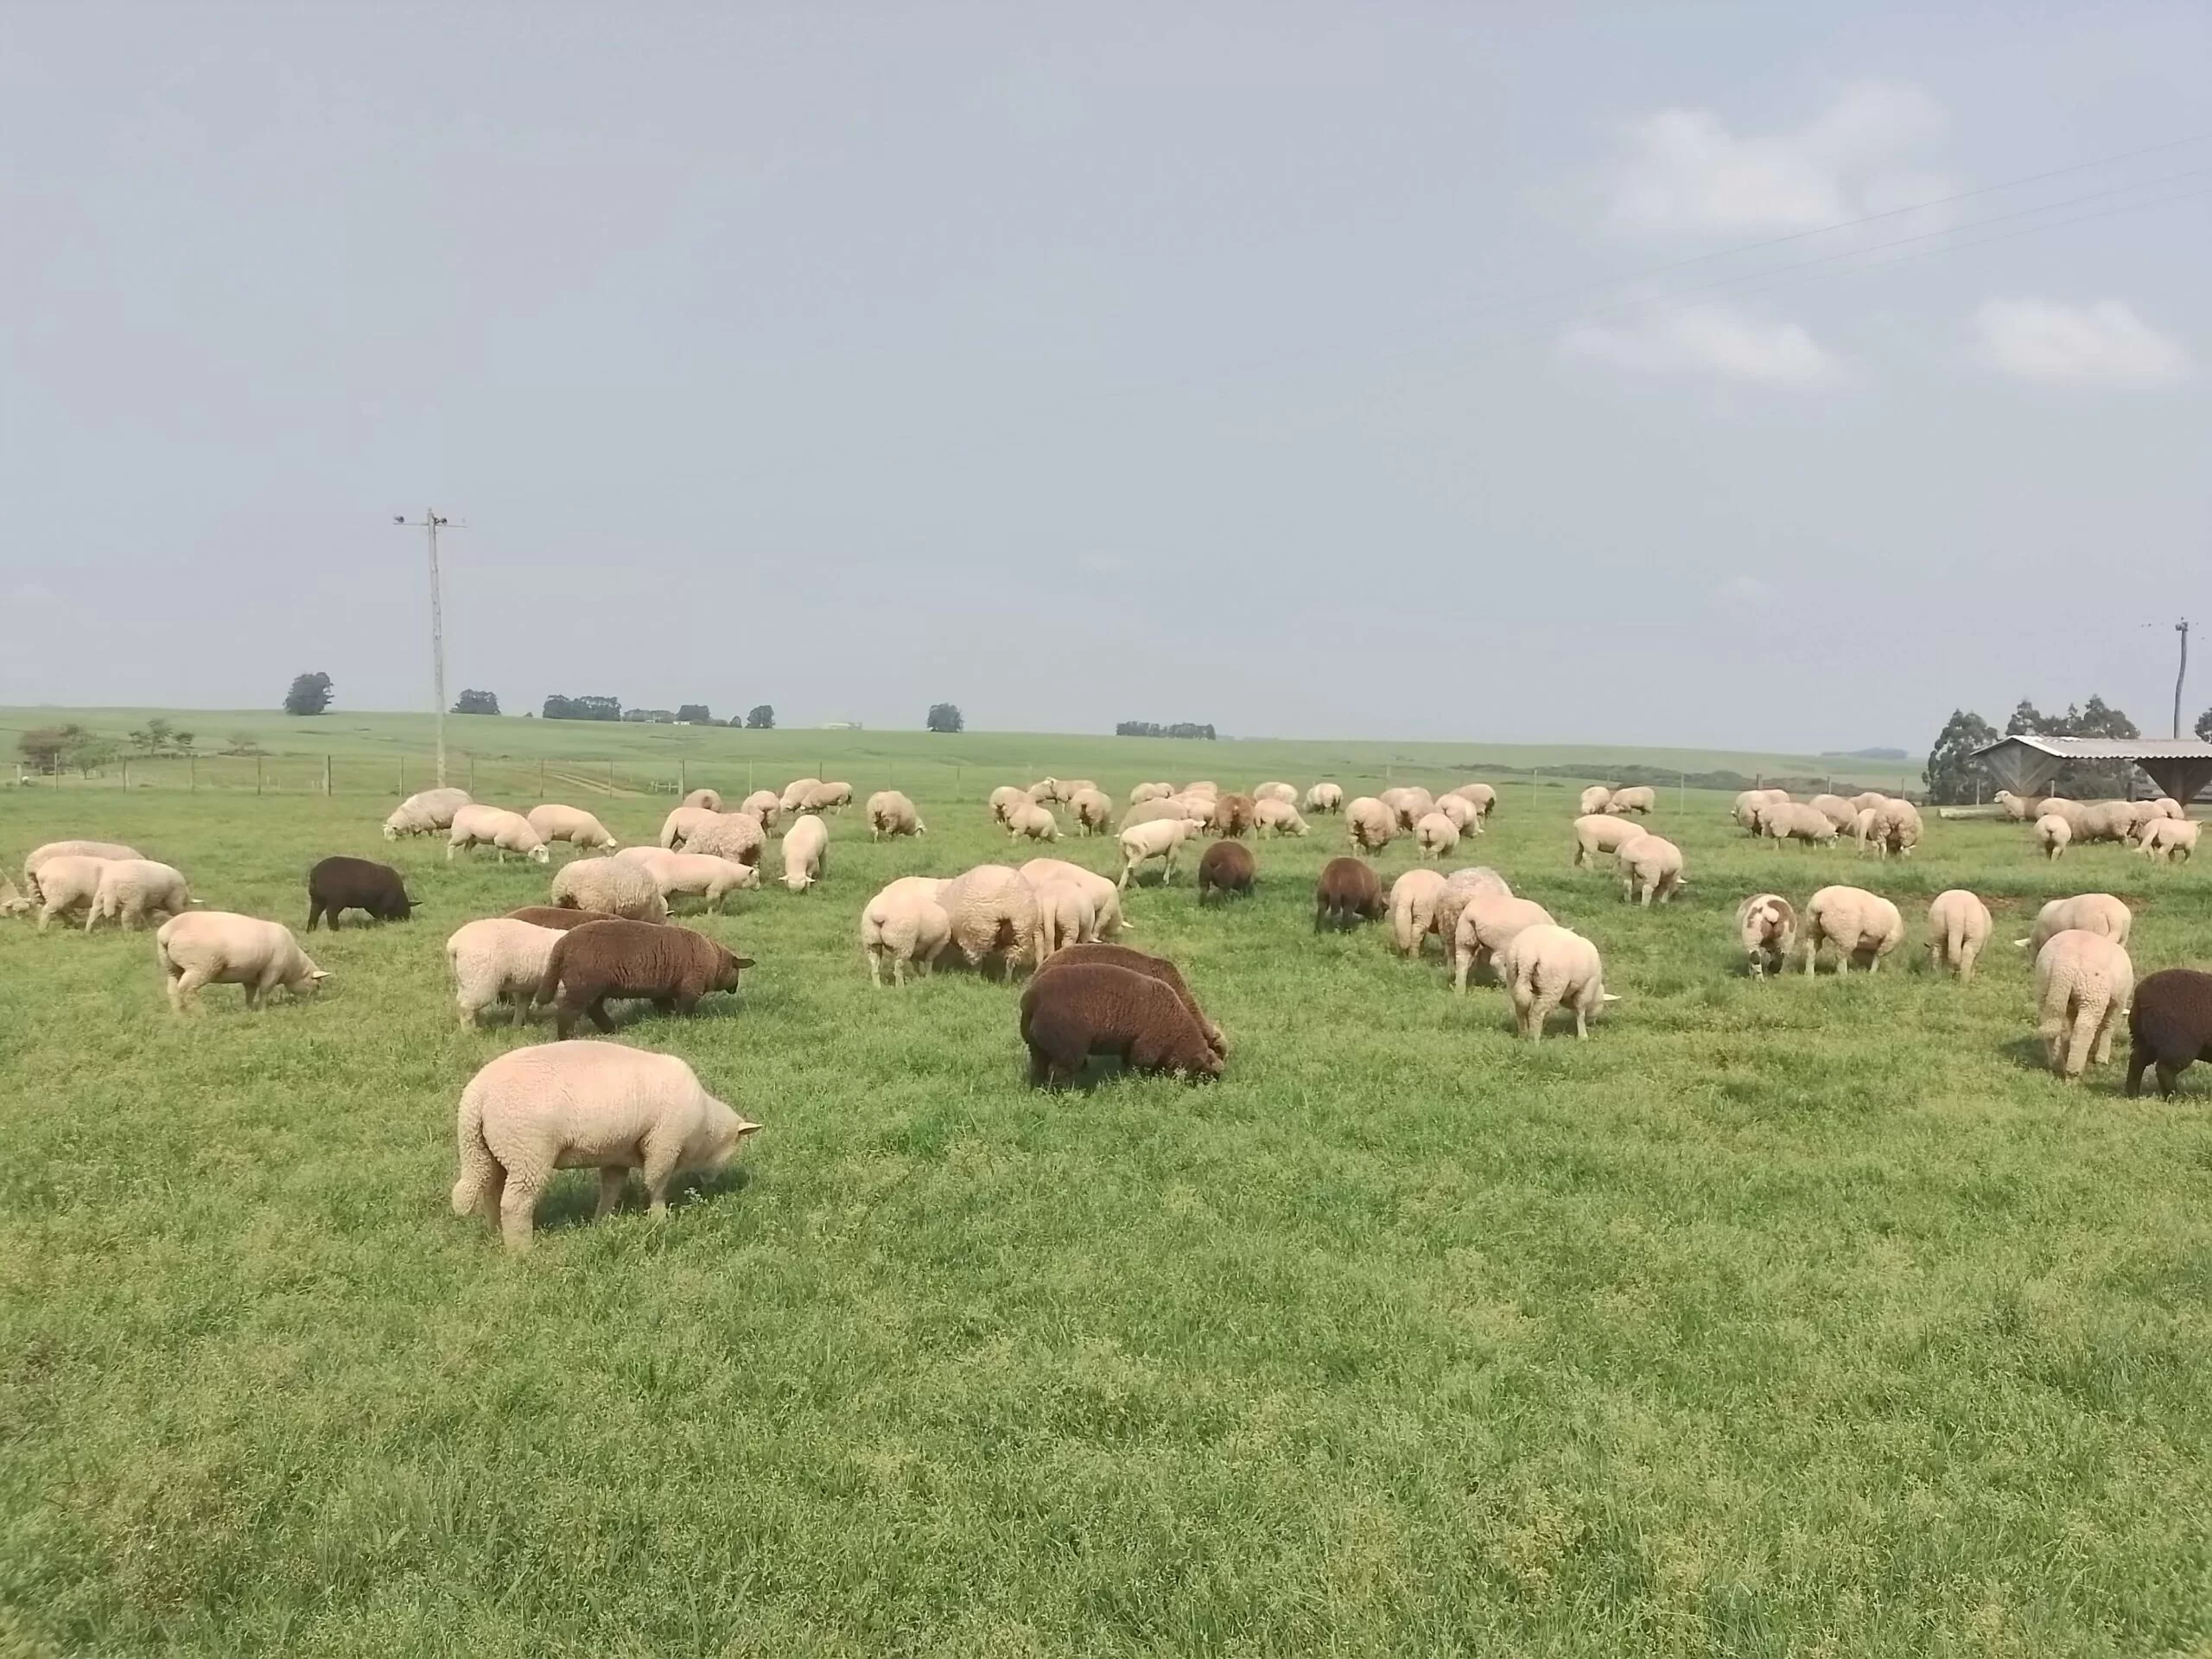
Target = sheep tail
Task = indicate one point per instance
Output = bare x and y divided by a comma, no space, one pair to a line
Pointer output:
479,1169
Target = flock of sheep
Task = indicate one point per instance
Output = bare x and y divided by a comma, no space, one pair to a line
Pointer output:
607,935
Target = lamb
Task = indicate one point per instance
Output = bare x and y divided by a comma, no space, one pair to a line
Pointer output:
993,911
709,799
1852,920
1481,797
1278,818
1325,797
579,829
1142,843
216,947
492,826
1412,909
671,967
1064,916
498,960
1094,812
1487,923
1546,966
611,885
559,920
40,856
130,889
737,836
2015,807
1006,799
2165,839
830,797
65,882
905,924
1593,800
1144,792
1839,811
806,845
1232,815
795,792
1158,968
1287,793
1370,825
1436,836
2090,912
683,822
1595,833
425,813
1349,891
1651,869
1105,897
1767,926
1227,868
2168,1025
2083,984
701,876
2051,833
1958,926
764,804
1794,821
341,884
1100,1007
1031,822
890,813
1639,799
583,1105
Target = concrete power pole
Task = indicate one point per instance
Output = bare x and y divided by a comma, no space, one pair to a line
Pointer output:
430,523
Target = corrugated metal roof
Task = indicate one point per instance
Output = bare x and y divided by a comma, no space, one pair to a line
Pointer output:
2108,749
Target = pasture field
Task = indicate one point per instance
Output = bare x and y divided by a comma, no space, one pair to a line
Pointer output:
1806,1318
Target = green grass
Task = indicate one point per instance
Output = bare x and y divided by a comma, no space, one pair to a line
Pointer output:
1795,1318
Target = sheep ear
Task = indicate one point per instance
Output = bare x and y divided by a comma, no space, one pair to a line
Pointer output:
1608,997
745,962
319,974
746,1126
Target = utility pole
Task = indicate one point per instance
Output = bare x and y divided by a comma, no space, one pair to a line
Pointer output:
431,523
2181,628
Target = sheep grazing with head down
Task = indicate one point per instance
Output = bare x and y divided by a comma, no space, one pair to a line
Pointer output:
1065,916
993,911
1487,923
1481,797
579,829
2166,839
1414,899
2051,834
131,889
1594,800
341,884
795,793
1158,968
2090,912
12,902
1852,922
39,857
1597,832
709,798
1638,798
1958,927
1325,797
1651,869
497,961
1088,1007
736,836
215,947
2170,1023
1348,893
1410,803
905,925
611,886
1093,810
426,813
1278,818
1436,836
1232,815
1005,801
1794,821
698,875
890,813
1105,898
494,827
806,852
66,882
1227,868
1462,813
764,804
1150,791
831,796
1370,825
1751,802
1031,822
1766,926
1547,967
2084,982
1287,793
672,968
1837,810
1866,830
682,824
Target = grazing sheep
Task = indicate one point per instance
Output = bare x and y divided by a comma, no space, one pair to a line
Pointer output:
1166,808
2168,1025
1414,898
1065,916
425,814
1142,843
764,804
1278,818
700,875
1287,793
1205,786
2015,807
1546,966
131,889
1865,798
1105,897
1158,968
1348,892
1370,825
611,885
1958,926
1325,797
576,826
2166,839
1651,869
1639,799
2169,808
1227,866
1436,836
498,960
65,882
1866,830
1750,804
993,910
890,813
1410,803
2090,912
1850,921
1461,888
682,824
1144,792
806,851
711,799
341,884
1466,817
12,902
795,793
1031,822
583,1105
737,836
1006,799
1100,1007
1767,926
1481,797
2051,833
2083,984
2105,821
1232,815
1794,821
1486,925
670,966
905,924
215,947
1595,833
558,919
831,796
1593,800
40,856
1045,792
1093,810
495,827
1839,811
1481,879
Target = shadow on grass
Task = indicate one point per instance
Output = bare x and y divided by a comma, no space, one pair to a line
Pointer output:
571,1200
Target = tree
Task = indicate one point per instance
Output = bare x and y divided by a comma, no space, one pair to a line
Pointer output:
1954,775
762,719
158,737
243,743
2204,727
694,713
44,747
477,702
310,695
561,707
93,753
945,717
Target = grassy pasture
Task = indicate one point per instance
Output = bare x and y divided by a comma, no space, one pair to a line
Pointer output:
1795,1317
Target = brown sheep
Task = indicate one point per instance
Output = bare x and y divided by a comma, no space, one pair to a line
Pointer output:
561,919
1137,962
2169,1025
1097,1007
1349,891
671,966
1227,868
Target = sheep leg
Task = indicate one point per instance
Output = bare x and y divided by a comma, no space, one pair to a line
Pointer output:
2114,1013
2138,1062
875,968
184,989
2169,1078
612,1178
519,1211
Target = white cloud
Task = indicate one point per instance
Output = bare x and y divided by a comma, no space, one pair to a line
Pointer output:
1715,340
2102,344
1688,172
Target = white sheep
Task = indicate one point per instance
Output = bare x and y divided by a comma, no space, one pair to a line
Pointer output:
1639,799
1850,921
1546,966
425,813
903,925
806,844
52,849
611,886
1413,897
1031,822
1369,824
1005,799
132,889
1105,897
736,836
2170,838
1066,915
215,947
764,804
1794,821
1766,926
1865,829
495,827
1839,811
1481,797
1287,793
65,881
498,960
993,911
2169,808
1410,803
1045,792
890,813
1651,869
1595,833
1150,791
1278,818
1958,926
2089,912
1594,800
2015,807
1487,923
1481,878
2084,983
1325,797
1094,812
1751,802
1436,836
1865,798
699,875
1205,786
794,795
12,902
2051,834
830,797
1899,825
579,829
682,824
709,798
1461,811
1160,839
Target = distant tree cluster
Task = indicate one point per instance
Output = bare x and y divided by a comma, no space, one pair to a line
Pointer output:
159,737
760,718
56,749
945,717
561,707
310,695
477,702
1953,774
694,713
1153,729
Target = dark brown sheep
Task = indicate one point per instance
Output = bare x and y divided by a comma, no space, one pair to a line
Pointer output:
1227,868
1158,968
671,967
1233,815
1348,893
344,883
560,919
2170,1026
1096,1007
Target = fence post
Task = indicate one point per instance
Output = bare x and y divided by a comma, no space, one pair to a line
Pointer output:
472,774
257,774
402,776
682,779
326,776
610,777
541,777
126,774
190,773
1682,792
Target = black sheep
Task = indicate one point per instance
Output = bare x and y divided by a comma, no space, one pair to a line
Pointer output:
343,883
1348,892
1095,1007
2170,1026
1227,868
670,966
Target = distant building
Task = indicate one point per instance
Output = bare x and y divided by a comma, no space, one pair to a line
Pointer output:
650,716
842,726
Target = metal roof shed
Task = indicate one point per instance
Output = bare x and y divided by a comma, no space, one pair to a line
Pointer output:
2023,764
